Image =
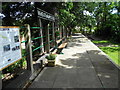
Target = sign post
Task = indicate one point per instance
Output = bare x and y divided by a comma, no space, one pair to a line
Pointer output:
10,50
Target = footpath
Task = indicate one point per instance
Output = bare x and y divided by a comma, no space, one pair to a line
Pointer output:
82,65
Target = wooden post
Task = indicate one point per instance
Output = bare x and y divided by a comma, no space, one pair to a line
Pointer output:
65,32
53,34
41,39
55,29
47,44
60,31
29,50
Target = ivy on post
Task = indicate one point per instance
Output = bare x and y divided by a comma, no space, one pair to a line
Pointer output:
47,41
28,45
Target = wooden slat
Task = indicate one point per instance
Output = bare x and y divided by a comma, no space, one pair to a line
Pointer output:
54,52
58,41
9,27
62,45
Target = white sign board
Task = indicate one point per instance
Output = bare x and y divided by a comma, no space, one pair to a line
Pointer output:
10,50
45,15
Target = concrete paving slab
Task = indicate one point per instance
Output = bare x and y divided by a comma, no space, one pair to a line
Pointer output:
109,80
87,78
62,85
42,84
49,75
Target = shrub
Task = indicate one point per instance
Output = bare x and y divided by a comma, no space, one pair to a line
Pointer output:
51,57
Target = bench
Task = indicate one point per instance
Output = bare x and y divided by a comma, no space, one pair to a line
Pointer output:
54,52
59,45
59,49
58,41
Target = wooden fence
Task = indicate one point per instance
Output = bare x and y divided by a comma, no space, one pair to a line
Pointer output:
48,42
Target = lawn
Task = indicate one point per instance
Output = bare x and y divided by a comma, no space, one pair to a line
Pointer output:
110,48
100,42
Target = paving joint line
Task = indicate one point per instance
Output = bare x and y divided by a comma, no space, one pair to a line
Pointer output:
95,70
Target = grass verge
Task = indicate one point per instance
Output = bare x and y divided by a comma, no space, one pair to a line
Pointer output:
110,48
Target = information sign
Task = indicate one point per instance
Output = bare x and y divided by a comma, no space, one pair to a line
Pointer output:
10,50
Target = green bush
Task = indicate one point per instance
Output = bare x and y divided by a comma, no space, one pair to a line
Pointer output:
51,57
57,33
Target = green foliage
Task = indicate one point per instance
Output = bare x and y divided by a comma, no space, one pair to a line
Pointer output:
57,33
18,13
18,64
71,14
66,16
51,56
108,22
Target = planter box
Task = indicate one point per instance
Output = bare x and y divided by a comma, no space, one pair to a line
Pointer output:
51,63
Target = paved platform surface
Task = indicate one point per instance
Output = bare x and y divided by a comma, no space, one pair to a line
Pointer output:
82,65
